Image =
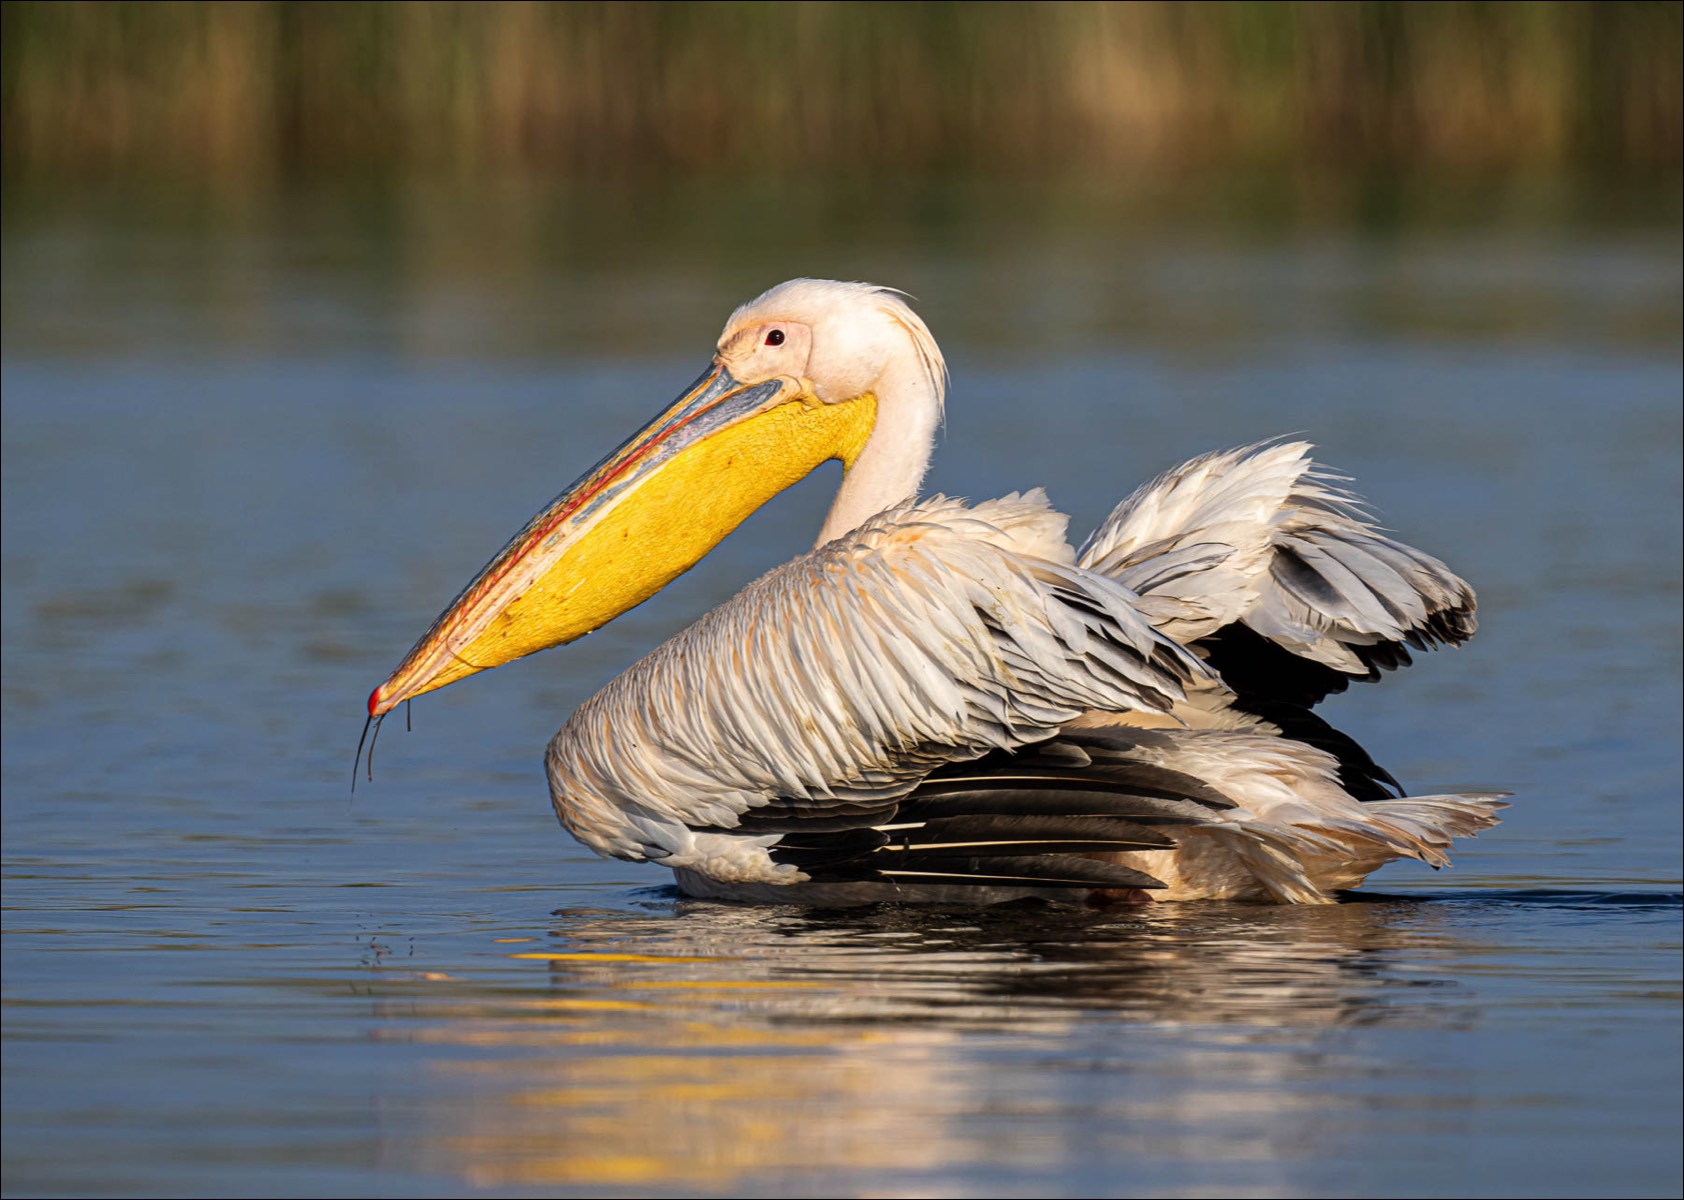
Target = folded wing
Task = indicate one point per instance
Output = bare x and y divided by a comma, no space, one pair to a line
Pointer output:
824,692
1179,814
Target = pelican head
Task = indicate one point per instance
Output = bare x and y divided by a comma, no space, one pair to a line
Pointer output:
812,370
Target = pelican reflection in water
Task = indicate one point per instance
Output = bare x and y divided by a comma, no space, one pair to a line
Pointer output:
945,701
902,1042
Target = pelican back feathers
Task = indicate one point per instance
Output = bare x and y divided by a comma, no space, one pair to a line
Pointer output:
933,633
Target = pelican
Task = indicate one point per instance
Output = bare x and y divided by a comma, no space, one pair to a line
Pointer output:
945,701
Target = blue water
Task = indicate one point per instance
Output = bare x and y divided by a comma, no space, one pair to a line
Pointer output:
253,444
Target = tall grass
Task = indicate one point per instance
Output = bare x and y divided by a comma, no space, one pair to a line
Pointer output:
834,85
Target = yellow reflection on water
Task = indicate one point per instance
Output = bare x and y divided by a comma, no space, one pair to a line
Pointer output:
720,1047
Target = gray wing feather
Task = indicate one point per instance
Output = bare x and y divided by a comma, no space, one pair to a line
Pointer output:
1263,537
934,633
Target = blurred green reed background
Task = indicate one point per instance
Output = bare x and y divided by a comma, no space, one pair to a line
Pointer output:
242,89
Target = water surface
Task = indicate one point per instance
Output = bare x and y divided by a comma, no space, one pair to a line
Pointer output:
252,444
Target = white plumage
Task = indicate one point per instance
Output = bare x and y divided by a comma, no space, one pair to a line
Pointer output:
944,701
1264,536
933,633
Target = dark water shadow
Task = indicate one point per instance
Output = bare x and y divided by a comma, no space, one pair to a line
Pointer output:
1655,901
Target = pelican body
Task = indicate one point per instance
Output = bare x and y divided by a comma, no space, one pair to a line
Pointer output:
945,701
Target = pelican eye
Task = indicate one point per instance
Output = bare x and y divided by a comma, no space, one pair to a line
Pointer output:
775,338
